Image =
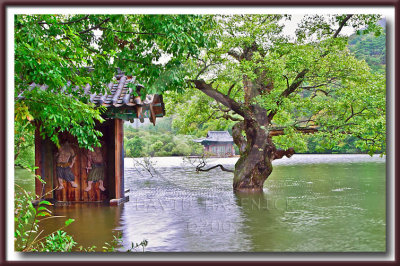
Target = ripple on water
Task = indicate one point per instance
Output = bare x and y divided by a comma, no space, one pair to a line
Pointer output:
310,203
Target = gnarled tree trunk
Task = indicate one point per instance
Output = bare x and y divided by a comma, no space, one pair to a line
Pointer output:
256,154
257,150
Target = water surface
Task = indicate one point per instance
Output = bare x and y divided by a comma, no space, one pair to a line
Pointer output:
310,203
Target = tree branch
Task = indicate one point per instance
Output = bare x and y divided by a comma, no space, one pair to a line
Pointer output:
247,52
304,130
204,68
342,25
296,83
230,89
221,98
229,117
66,23
235,55
366,139
304,121
133,32
94,27
317,90
344,125
220,108
278,154
200,168
287,81
237,136
354,114
313,87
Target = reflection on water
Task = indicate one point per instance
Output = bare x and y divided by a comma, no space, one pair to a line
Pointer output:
94,224
310,203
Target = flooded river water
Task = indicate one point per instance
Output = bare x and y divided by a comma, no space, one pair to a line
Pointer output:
310,203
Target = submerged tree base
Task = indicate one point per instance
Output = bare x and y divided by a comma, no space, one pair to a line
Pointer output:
248,190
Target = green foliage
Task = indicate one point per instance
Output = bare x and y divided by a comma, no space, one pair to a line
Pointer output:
322,27
59,241
117,242
144,142
370,48
114,244
134,147
24,218
162,125
88,249
135,246
194,113
24,144
55,113
54,49
69,221
58,50
24,149
29,237
28,233
338,95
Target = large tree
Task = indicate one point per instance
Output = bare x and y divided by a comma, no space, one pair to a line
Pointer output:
278,89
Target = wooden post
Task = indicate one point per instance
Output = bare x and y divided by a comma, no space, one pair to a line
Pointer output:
38,162
84,176
118,143
117,160
119,163
47,168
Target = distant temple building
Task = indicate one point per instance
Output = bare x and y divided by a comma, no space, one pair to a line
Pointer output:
218,143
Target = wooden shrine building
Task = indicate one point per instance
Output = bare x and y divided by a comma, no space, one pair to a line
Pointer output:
122,104
218,143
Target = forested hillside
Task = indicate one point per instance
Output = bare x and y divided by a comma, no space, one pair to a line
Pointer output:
370,48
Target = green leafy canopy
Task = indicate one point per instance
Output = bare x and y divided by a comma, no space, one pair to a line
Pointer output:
87,49
308,81
336,93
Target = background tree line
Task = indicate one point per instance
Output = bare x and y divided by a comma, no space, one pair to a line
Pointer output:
158,140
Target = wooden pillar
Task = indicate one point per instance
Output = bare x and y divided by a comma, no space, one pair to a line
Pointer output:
118,133
38,162
44,160
48,166
119,162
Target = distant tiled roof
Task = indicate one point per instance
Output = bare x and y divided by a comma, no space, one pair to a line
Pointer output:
216,136
122,101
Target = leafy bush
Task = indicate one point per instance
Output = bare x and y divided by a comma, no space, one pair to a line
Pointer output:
134,147
59,241
117,241
27,218
157,146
